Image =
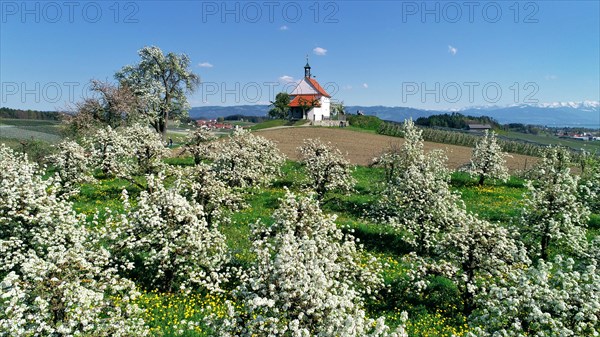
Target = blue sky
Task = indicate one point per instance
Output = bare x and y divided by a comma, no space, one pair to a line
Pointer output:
434,55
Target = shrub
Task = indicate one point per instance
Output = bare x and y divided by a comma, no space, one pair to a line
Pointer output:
72,165
326,167
553,215
365,122
198,143
417,200
488,160
551,299
246,160
170,236
57,281
306,281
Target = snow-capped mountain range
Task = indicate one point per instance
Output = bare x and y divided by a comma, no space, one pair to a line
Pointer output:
584,105
557,114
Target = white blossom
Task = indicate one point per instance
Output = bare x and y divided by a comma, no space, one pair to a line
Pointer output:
146,150
127,152
171,237
553,216
390,160
245,159
307,280
160,82
481,251
326,167
590,184
69,293
56,281
199,142
488,160
33,219
551,299
202,185
109,151
417,200
72,165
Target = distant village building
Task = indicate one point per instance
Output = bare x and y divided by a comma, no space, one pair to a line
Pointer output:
577,136
213,124
309,100
479,127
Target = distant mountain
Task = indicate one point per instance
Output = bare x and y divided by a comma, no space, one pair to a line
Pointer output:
585,114
396,113
212,112
576,114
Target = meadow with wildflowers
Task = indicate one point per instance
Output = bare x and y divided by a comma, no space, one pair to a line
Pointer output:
231,240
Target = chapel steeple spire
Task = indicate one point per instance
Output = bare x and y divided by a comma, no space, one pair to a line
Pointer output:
307,68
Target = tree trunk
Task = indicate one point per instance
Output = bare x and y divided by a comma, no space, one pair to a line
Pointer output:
481,179
544,247
468,268
163,128
168,281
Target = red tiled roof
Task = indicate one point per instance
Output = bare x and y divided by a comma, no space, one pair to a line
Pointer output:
298,99
318,87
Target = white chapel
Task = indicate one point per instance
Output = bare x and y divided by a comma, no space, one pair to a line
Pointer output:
309,100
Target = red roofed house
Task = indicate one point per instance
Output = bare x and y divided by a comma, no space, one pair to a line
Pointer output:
309,100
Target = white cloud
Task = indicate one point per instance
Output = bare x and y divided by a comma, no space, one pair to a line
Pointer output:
452,50
286,78
284,27
205,65
365,85
550,77
320,51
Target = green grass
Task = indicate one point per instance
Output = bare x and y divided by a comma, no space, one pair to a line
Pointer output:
241,124
27,128
28,122
10,142
548,139
277,122
494,201
269,124
29,133
106,193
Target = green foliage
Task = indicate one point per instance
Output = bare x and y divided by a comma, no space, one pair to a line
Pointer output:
522,128
365,122
36,150
461,139
252,119
29,114
455,121
281,106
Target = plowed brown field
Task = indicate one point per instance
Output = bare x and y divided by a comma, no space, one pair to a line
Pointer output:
362,147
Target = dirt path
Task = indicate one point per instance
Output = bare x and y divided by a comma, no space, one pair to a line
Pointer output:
363,147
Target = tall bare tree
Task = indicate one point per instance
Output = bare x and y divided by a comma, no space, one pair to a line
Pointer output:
109,104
